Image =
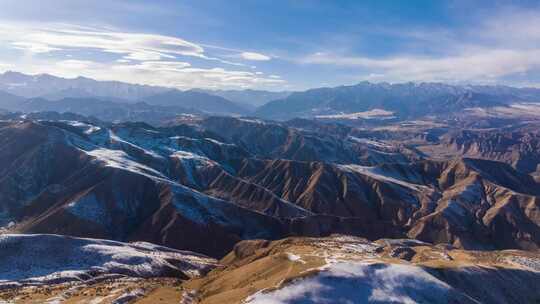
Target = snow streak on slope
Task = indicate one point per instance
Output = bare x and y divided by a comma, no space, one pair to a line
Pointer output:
375,173
120,160
86,128
370,142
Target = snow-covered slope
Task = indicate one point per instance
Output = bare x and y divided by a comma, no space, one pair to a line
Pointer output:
360,282
44,259
343,269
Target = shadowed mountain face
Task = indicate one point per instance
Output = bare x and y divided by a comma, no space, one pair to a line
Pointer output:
205,186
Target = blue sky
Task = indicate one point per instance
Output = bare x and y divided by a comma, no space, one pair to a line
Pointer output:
275,45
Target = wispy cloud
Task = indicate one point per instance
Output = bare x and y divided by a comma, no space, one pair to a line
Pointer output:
34,47
506,45
136,57
474,65
254,56
137,46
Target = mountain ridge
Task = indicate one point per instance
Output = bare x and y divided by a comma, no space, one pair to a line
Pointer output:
404,99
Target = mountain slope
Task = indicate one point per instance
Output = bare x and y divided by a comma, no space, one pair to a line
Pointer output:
10,101
62,181
196,101
64,259
518,148
177,185
341,269
136,182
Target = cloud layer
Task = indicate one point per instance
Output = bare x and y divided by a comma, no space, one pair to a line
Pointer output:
132,57
496,50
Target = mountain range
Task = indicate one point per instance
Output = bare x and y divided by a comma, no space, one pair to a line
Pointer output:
402,101
418,192
56,88
214,179
361,103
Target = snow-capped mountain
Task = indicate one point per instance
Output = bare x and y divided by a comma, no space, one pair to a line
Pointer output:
407,100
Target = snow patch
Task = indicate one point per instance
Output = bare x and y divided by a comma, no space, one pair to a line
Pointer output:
121,160
374,143
358,282
371,114
295,258
87,128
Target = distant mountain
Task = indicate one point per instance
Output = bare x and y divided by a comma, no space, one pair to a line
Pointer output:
105,110
407,100
31,86
68,93
154,110
198,101
9,101
55,88
252,98
65,116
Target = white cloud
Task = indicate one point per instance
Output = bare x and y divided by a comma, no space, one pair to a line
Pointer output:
496,48
136,57
74,64
254,56
43,38
477,64
137,46
34,47
5,66
159,73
